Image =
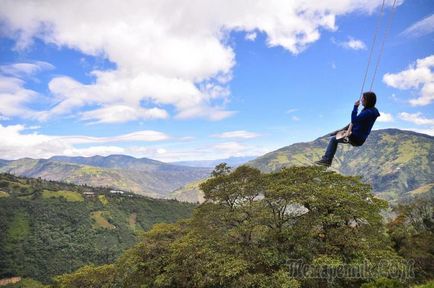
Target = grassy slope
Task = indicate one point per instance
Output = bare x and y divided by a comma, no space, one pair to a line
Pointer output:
394,162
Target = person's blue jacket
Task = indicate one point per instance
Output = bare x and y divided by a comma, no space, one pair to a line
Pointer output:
362,123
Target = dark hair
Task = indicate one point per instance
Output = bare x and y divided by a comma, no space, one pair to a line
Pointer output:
370,99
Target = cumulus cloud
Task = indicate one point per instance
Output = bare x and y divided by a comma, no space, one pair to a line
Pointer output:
199,152
428,131
236,149
123,113
241,134
19,141
385,117
16,143
351,43
420,28
418,76
251,36
164,51
416,118
14,97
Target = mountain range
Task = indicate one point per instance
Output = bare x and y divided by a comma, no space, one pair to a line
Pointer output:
142,176
231,161
397,163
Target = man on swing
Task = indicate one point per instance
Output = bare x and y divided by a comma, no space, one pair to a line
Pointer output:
356,132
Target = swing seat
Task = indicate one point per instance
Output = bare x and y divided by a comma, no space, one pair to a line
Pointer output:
345,135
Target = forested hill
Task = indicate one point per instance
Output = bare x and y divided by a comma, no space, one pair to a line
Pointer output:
139,175
397,163
299,227
49,228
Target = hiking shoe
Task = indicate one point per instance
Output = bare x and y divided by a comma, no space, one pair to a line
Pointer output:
323,162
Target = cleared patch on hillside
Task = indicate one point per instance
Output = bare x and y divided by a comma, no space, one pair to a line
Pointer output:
68,195
422,189
132,223
103,200
100,219
4,194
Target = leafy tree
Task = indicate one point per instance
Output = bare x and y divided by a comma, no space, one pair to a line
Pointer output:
252,225
412,232
88,277
383,283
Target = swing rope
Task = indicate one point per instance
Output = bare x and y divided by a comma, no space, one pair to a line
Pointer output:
346,133
386,34
374,39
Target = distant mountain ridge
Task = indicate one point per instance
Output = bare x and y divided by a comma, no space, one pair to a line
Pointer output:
117,162
395,162
143,176
231,161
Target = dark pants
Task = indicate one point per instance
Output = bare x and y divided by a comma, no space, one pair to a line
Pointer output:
331,148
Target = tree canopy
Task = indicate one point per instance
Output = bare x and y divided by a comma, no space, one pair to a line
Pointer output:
252,229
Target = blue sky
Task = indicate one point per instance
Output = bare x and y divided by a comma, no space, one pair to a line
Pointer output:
195,80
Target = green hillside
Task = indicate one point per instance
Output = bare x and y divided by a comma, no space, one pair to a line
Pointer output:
396,163
142,176
49,228
299,227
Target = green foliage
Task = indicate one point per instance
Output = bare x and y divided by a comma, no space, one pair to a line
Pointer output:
88,277
412,232
252,225
68,195
19,227
41,237
383,283
429,284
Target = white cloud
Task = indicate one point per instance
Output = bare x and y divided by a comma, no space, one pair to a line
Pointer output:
164,51
18,144
94,150
416,118
123,113
14,97
145,136
418,76
295,118
24,69
251,36
428,131
353,44
236,149
420,28
292,110
200,152
385,117
241,134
